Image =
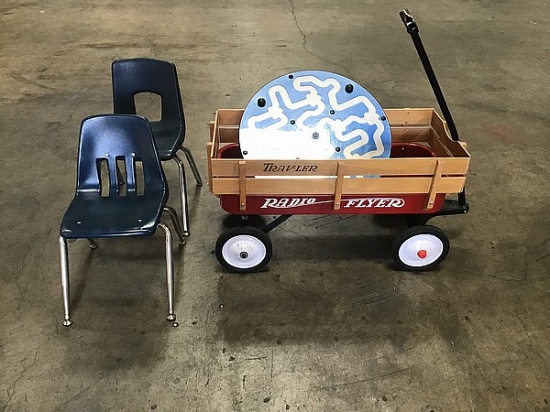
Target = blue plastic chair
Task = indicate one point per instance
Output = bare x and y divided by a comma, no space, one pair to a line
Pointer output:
133,76
101,207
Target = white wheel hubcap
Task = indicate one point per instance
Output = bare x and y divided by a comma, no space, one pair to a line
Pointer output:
244,251
420,250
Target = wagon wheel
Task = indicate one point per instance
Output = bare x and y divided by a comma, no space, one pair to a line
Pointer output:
243,249
420,248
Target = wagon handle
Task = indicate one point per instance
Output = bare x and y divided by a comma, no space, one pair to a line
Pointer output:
408,20
412,29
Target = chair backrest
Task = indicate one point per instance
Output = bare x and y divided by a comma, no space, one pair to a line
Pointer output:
114,141
133,76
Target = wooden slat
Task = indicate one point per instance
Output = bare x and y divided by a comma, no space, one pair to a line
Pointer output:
434,185
413,116
406,166
397,166
242,185
418,116
438,148
351,186
452,148
409,116
457,149
338,187
211,128
215,136
212,147
209,148
230,116
229,134
441,129
410,133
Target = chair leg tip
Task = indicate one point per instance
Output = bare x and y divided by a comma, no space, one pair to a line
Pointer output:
171,317
185,233
67,322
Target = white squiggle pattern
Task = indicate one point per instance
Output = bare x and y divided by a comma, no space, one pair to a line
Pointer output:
309,84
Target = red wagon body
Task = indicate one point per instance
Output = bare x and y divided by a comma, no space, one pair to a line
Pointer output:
425,166
427,163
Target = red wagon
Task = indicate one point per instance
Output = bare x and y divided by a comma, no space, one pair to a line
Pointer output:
427,163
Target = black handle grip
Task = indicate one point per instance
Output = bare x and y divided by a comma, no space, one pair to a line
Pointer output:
408,21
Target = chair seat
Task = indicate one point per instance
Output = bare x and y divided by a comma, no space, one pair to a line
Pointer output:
166,137
93,216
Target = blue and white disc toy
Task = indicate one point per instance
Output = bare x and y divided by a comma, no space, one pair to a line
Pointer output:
314,115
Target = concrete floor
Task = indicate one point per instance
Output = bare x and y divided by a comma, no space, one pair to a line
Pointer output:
328,326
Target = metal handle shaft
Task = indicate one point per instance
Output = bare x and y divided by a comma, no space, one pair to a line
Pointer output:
412,29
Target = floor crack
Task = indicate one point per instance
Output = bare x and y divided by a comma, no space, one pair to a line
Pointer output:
11,390
20,292
305,46
528,336
528,252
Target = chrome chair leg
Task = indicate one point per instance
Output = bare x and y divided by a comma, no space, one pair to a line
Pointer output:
65,279
169,272
93,243
193,165
183,193
176,223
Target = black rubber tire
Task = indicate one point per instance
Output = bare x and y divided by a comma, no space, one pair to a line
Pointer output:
256,233
414,231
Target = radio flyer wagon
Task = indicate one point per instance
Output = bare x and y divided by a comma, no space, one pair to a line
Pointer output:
421,166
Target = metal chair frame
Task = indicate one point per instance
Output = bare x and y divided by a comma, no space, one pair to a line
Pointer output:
93,214
139,75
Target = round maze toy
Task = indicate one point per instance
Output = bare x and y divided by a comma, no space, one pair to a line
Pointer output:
314,115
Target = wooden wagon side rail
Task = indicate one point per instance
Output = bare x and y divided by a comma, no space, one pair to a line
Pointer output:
407,125
414,166
443,174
